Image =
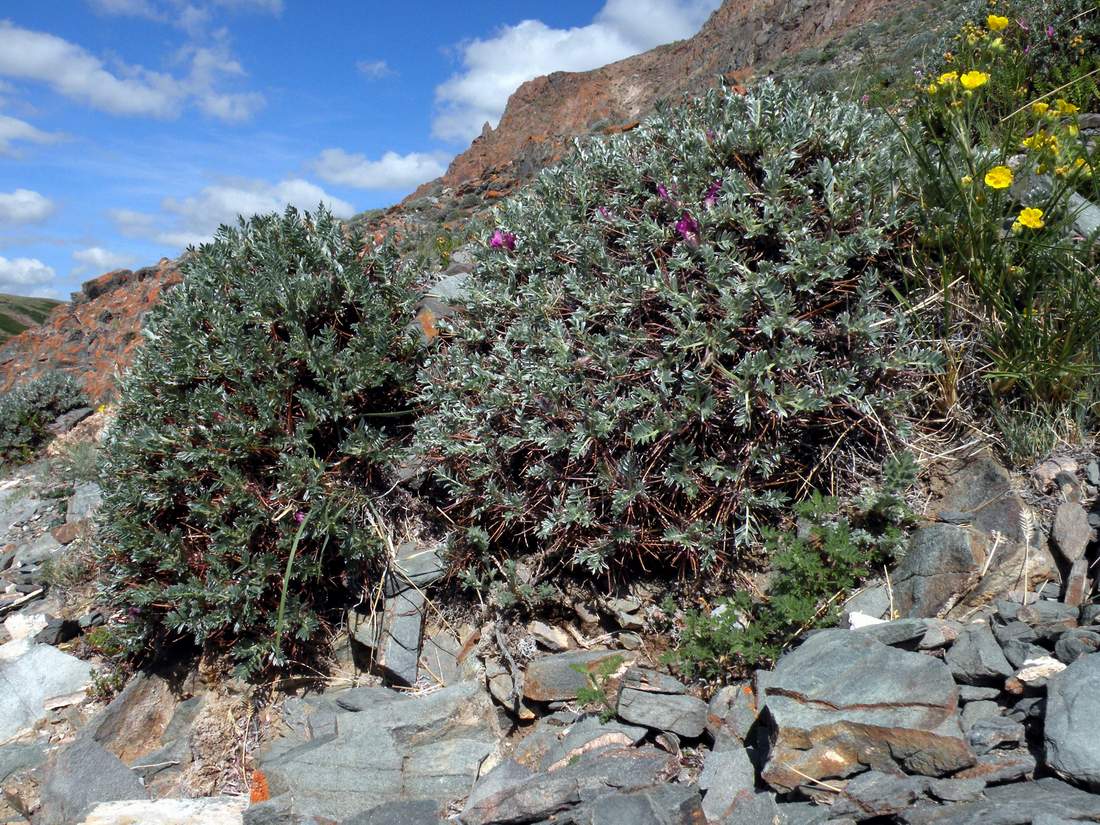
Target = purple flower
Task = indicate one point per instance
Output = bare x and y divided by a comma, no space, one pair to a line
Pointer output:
299,517
711,136
605,213
662,192
505,240
1050,32
688,228
711,196
866,99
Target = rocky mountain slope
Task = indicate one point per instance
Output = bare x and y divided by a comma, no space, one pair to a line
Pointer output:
93,334
98,331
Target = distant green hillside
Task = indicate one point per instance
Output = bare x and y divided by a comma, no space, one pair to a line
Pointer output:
18,313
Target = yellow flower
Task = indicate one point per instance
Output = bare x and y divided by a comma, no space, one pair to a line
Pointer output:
1040,107
1073,131
933,88
947,77
1031,217
974,79
999,177
996,23
997,44
966,180
1061,171
1064,107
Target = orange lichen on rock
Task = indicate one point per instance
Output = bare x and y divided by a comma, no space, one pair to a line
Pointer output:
259,791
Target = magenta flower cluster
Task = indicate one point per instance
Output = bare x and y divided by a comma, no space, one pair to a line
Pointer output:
503,240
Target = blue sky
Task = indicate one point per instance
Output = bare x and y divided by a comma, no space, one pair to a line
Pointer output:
132,128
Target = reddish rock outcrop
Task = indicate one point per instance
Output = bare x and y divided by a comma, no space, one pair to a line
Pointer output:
91,336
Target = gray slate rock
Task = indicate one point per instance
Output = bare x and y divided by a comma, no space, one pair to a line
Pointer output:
429,747
35,552
15,757
758,809
976,658
412,812
974,712
554,679
1075,643
29,680
728,778
1071,531
900,632
685,716
843,702
1000,766
941,558
513,795
871,601
588,735
874,794
732,712
84,501
995,732
975,693
1070,731
660,805
1015,804
83,775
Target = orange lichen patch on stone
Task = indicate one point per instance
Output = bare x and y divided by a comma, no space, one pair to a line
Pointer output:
426,319
618,129
259,791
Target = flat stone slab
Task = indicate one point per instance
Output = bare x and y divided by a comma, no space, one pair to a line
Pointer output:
83,775
34,674
511,794
84,501
555,679
390,750
212,811
1070,729
1020,803
670,712
844,702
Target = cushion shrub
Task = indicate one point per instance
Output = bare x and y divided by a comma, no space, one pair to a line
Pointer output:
28,409
253,431
673,333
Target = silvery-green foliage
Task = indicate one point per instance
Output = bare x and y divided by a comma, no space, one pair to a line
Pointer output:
265,407
694,326
29,408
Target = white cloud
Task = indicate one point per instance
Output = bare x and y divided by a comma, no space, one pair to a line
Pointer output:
132,8
128,90
495,67
23,275
24,206
270,6
133,224
193,220
391,171
187,15
13,129
374,69
98,259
